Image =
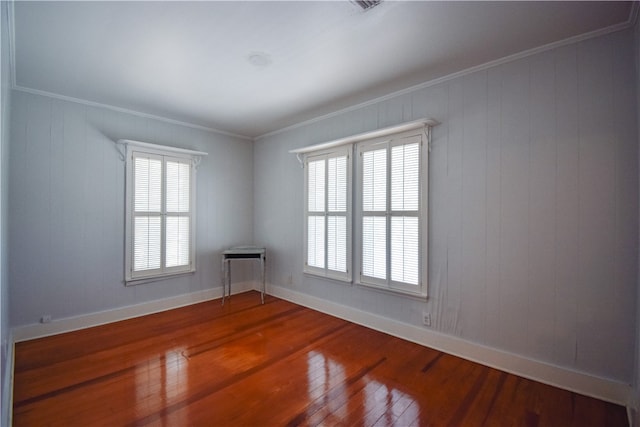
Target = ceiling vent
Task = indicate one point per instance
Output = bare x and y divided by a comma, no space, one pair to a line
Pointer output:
366,4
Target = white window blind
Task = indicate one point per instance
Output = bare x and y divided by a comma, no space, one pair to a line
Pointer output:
374,207
405,202
147,202
328,214
178,213
391,212
160,212
337,213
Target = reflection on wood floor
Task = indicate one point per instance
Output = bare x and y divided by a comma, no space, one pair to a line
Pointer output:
277,364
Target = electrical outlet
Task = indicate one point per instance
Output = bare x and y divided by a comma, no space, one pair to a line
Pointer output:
426,319
45,318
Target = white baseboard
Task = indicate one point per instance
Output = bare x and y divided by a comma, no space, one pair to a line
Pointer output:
579,382
39,330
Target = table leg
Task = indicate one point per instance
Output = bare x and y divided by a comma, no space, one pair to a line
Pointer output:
225,276
229,279
262,276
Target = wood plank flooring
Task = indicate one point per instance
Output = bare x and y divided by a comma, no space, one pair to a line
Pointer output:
277,364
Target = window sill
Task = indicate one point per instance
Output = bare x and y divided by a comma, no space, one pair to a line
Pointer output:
398,292
143,280
343,280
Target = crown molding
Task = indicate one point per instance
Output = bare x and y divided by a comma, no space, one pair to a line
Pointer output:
487,65
630,22
127,111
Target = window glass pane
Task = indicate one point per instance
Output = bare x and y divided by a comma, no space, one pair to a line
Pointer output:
404,250
405,176
177,241
374,180
146,243
178,177
374,246
148,184
337,243
316,190
337,169
315,241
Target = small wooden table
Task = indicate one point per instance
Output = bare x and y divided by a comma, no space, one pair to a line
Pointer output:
241,252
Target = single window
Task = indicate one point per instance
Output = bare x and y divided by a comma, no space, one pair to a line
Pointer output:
160,211
328,214
391,213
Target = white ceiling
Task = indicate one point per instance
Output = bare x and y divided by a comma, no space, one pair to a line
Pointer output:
189,61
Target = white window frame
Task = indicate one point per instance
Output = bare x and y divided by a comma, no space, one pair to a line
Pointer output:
134,149
326,155
419,290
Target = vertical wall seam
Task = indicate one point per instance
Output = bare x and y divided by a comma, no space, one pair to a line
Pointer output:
486,203
49,263
84,198
500,201
556,198
578,178
486,209
529,285
459,328
616,180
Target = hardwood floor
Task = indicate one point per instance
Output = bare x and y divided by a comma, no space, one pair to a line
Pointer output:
277,364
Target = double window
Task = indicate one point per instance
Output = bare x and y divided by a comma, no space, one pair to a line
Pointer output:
389,214
160,213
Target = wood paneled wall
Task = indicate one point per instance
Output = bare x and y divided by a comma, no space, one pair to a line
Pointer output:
66,241
6,349
533,206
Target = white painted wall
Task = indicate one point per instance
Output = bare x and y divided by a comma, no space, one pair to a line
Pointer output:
5,331
533,206
66,207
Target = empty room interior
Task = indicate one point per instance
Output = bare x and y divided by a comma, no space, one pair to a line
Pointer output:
378,213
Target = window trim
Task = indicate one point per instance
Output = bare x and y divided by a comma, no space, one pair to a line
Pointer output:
326,272
388,285
167,153
422,124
